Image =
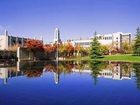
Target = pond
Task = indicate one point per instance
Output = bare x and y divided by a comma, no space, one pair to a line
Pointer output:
70,83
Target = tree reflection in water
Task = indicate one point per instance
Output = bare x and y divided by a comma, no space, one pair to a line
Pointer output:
96,67
32,69
136,67
113,70
33,73
65,67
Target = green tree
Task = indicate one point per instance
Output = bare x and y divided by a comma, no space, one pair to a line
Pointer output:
96,67
126,48
105,49
136,50
95,51
62,50
136,68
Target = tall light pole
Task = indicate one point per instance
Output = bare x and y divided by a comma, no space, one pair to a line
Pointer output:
57,40
57,51
74,50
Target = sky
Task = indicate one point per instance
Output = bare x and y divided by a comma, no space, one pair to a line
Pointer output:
74,18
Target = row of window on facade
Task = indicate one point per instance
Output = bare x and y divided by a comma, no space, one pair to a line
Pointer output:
14,41
106,74
83,43
104,38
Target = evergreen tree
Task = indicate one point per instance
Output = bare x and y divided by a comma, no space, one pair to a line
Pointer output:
95,68
95,50
136,50
136,68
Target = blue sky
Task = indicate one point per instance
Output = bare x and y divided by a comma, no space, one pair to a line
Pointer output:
74,18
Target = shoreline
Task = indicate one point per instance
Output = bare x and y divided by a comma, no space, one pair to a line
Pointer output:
113,58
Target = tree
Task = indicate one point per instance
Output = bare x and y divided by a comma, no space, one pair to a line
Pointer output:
77,50
80,50
49,48
126,48
62,50
96,67
136,50
136,68
70,49
14,48
33,46
105,49
95,51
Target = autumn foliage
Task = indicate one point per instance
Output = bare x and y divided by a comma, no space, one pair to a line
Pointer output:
33,44
65,50
48,48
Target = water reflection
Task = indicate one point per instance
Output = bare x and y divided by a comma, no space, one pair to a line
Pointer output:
136,68
117,71
97,69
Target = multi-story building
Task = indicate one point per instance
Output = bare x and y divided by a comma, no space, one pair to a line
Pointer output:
6,41
114,39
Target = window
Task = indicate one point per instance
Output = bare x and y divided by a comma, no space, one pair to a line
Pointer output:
14,41
19,42
107,38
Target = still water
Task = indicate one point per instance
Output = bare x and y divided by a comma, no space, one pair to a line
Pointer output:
70,83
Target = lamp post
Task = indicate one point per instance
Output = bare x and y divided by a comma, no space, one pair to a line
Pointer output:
74,50
57,51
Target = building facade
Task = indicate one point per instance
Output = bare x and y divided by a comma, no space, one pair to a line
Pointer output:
114,39
7,41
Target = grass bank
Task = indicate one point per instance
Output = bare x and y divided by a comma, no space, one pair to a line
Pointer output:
118,57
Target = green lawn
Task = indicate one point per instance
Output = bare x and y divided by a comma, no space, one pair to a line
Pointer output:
118,57
123,57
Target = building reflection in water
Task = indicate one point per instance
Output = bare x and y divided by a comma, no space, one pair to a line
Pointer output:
116,72
4,74
112,70
9,72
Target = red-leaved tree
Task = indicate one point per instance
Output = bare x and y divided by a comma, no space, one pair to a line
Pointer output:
34,45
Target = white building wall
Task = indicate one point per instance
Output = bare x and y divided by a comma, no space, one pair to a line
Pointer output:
4,74
117,72
3,42
7,41
114,39
105,39
84,43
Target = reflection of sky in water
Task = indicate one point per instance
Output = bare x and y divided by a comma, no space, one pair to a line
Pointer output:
72,88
